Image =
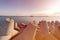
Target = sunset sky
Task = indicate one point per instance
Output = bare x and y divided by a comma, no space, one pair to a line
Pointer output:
29,7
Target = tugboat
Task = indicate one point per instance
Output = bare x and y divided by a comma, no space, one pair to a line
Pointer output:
31,16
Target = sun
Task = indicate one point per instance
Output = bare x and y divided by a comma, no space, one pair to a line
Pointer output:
53,8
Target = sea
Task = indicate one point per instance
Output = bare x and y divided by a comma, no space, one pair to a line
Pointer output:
30,18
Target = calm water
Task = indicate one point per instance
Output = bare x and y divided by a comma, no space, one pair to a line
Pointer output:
27,18
20,19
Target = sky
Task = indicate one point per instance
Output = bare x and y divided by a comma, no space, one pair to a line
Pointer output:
29,7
